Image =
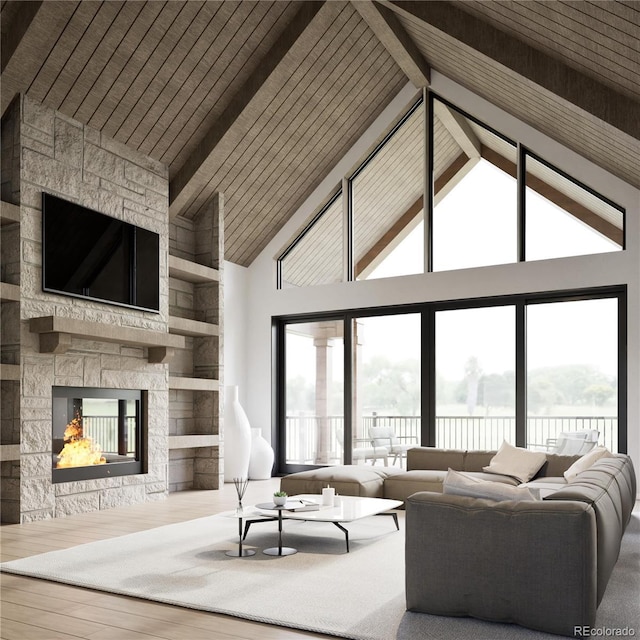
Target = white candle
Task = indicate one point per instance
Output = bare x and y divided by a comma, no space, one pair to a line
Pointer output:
328,494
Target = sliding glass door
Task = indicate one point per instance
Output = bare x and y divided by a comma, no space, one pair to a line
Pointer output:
475,377
314,392
358,386
386,387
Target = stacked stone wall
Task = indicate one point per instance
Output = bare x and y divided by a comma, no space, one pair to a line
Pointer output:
75,162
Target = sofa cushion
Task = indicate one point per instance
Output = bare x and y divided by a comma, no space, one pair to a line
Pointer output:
475,460
402,485
516,462
433,458
347,480
492,477
555,465
586,461
460,484
542,487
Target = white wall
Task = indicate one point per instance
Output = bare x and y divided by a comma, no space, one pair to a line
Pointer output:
236,301
264,301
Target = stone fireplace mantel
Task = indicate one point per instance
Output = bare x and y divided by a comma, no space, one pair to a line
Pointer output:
56,333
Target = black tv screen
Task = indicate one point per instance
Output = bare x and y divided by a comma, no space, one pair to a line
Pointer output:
88,254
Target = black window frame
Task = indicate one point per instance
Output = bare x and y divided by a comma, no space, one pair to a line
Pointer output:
428,364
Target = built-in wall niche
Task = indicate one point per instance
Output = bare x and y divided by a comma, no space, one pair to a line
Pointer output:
98,433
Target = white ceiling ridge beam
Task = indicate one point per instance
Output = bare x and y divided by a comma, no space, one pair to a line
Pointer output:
459,128
553,74
195,173
396,41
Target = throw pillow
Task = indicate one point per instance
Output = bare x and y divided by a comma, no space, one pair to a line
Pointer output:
459,484
518,463
586,461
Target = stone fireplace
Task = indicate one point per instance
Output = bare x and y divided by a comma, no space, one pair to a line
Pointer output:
97,433
56,351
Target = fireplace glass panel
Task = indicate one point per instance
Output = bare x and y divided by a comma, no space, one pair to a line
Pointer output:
96,433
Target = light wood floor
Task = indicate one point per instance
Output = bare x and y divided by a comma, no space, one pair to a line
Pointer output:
39,610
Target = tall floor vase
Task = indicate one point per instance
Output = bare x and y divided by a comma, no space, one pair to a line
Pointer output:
261,459
237,437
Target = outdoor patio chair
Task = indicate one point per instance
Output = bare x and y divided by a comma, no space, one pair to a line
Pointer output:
573,443
385,436
371,452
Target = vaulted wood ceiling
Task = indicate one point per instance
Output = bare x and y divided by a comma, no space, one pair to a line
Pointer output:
260,99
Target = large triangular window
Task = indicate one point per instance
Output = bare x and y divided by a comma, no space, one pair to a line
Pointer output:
488,201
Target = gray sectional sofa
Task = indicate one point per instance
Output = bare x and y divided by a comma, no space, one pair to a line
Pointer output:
542,563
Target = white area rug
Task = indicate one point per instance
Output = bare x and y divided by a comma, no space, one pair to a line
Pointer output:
321,588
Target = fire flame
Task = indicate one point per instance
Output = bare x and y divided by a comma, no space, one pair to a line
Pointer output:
78,451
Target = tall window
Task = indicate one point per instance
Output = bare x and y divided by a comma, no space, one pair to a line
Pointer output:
314,392
387,199
386,386
564,218
572,369
475,377
316,255
475,197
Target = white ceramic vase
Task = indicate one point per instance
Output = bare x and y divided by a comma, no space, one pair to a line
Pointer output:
237,437
261,459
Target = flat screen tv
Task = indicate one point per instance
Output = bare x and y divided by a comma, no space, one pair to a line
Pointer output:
90,255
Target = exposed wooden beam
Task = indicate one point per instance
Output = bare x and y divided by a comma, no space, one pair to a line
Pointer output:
29,32
396,41
389,236
459,128
553,74
452,175
196,171
558,198
16,19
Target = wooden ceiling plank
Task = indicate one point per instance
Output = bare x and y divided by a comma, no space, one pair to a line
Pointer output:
144,46
101,58
14,25
554,75
189,177
83,53
577,130
241,39
396,41
311,136
558,198
206,87
184,83
305,98
595,19
149,106
88,97
539,29
291,197
308,91
63,49
139,95
627,10
35,45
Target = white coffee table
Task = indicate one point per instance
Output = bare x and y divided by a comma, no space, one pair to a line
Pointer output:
349,509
